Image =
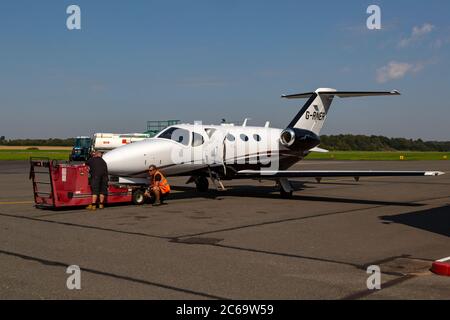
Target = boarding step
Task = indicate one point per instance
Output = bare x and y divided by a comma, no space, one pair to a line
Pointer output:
216,180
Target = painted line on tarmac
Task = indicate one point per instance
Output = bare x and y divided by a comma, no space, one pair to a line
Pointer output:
69,224
55,263
443,259
15,202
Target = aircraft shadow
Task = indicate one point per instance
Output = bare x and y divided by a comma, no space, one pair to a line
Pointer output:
435,220
272,193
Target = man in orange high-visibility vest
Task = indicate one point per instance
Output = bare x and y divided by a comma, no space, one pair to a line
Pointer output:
158,184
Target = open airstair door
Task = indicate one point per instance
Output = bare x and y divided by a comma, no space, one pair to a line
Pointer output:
214,150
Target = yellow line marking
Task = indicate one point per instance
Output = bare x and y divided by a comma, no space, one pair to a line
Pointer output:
16,202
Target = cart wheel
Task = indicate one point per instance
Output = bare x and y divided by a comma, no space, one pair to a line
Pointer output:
138,197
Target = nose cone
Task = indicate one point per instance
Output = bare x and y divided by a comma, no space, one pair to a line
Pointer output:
127,160
116,160
132,159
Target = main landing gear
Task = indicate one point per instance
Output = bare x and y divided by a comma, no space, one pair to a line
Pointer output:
286,190
202,185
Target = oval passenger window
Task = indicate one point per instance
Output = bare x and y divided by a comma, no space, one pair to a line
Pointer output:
230,137
244,137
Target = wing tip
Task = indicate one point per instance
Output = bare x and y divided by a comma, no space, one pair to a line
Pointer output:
434,173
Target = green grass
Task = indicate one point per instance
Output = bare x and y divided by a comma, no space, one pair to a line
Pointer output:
26,154
335,155
380,156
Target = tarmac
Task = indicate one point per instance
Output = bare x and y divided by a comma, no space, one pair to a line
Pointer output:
242,243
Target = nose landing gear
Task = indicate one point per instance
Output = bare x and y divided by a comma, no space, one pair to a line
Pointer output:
202,184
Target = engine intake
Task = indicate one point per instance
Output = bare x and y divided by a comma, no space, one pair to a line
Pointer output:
299,139
287,137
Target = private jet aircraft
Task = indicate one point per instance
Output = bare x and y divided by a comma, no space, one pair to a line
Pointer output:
223,152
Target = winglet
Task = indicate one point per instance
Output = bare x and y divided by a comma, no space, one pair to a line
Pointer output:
434,173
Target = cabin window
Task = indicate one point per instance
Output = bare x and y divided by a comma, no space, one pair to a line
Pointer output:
176,134
257,137
230,137
244,137
197,139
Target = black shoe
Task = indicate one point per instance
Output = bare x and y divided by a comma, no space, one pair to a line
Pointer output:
157,204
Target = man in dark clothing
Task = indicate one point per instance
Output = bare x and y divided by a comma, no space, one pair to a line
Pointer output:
98,170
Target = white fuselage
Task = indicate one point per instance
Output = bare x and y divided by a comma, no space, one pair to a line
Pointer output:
184,149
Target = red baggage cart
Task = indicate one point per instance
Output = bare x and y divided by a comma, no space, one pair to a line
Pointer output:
59,184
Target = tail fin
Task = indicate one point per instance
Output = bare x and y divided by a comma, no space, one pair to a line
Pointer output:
313,114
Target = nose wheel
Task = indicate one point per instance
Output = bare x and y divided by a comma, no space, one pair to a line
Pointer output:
202,184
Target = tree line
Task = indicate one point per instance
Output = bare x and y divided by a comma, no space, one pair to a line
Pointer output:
37,142
342,142
348,142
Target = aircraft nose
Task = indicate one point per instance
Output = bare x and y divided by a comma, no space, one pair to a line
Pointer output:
133,159
115,161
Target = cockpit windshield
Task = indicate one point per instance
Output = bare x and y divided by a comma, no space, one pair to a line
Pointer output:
176,134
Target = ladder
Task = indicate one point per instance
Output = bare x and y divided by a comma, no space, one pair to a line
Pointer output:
216,180
41,176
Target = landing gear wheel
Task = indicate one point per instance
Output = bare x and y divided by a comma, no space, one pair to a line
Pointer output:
202,184
138,197
285,194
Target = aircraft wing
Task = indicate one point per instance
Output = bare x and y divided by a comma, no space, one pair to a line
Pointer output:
273,174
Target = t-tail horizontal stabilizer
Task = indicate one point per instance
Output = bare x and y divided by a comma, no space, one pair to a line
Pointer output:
320,150
313,114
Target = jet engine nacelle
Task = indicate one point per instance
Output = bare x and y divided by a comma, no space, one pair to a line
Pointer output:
299,139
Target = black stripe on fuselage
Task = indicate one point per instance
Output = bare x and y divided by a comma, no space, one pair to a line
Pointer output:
302,110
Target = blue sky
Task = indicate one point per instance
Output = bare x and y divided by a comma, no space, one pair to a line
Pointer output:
135,61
